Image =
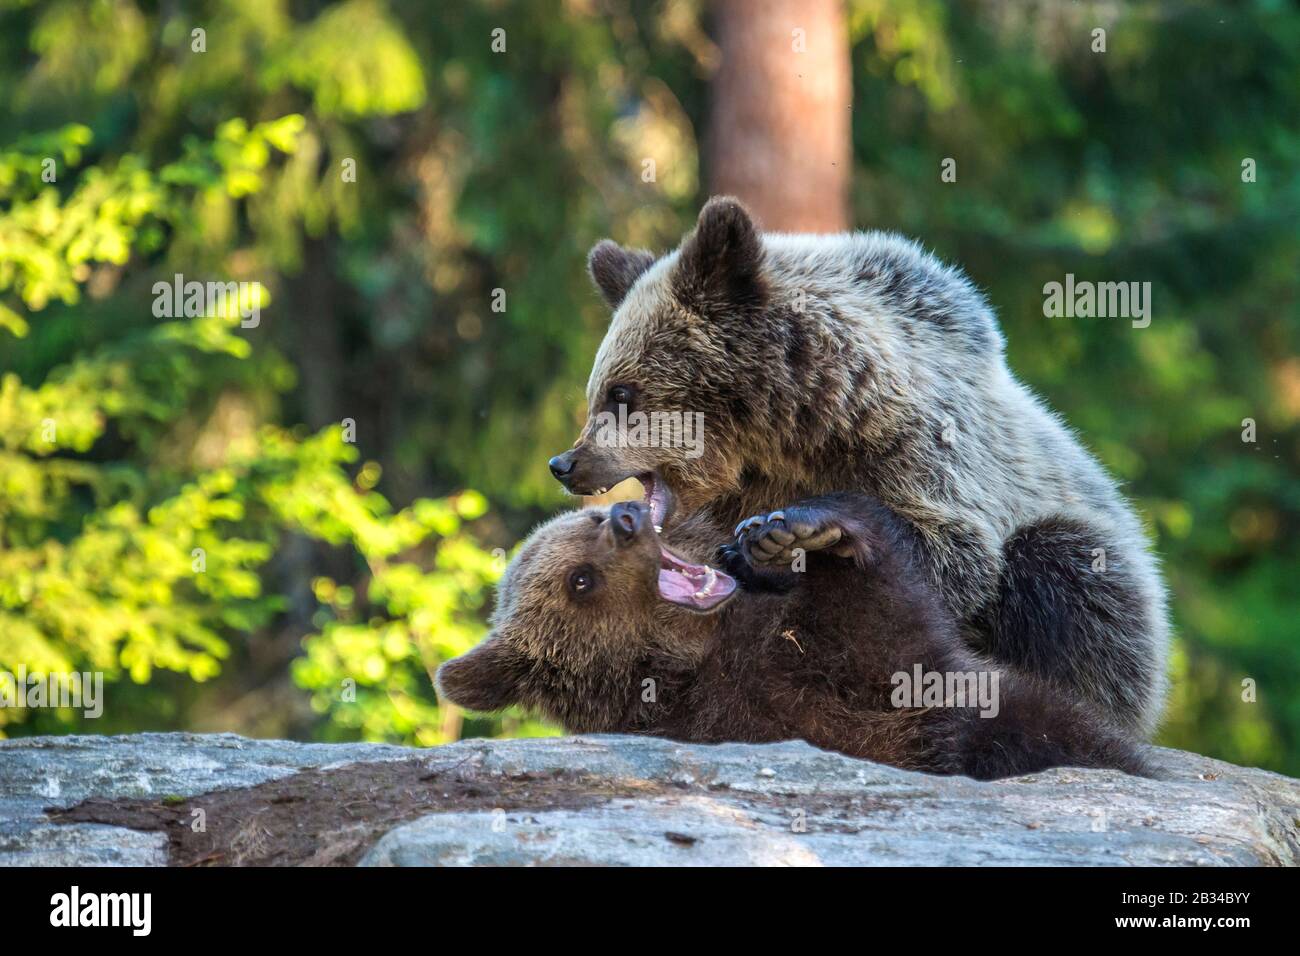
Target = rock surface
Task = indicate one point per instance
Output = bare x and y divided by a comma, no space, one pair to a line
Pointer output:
631,801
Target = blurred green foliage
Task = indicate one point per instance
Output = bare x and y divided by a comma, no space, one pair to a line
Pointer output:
112,564
380,171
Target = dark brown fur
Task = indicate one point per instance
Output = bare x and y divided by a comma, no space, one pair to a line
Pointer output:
808,655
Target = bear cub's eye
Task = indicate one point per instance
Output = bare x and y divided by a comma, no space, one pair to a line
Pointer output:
620,395
582,581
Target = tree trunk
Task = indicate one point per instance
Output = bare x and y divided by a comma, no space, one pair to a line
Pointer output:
779,134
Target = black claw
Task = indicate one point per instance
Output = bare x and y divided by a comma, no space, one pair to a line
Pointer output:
732,561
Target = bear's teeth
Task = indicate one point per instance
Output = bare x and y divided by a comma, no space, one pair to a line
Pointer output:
659,529
709,580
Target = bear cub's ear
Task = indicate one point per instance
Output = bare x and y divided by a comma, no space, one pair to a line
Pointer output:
486,678
615,269
720,265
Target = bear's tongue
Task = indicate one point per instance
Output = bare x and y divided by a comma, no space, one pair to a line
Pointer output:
695,586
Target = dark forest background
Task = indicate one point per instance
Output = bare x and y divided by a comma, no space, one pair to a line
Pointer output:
278,530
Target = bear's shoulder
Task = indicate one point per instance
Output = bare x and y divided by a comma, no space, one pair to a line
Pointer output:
897,274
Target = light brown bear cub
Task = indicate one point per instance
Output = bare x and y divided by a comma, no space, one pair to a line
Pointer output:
603,629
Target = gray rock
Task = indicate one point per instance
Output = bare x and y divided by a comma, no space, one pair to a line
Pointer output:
655,802
41,772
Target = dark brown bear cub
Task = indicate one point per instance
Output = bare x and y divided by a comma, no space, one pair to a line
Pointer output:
603,629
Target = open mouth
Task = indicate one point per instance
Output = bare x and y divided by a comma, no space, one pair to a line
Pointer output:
657,497
696,586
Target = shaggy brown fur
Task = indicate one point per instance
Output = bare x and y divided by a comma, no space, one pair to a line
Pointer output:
811,655
859,362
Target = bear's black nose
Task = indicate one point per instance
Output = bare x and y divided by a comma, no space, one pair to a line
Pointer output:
561,465
626,519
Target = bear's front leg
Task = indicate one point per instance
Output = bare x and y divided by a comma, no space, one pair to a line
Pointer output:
776,539
1084,610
